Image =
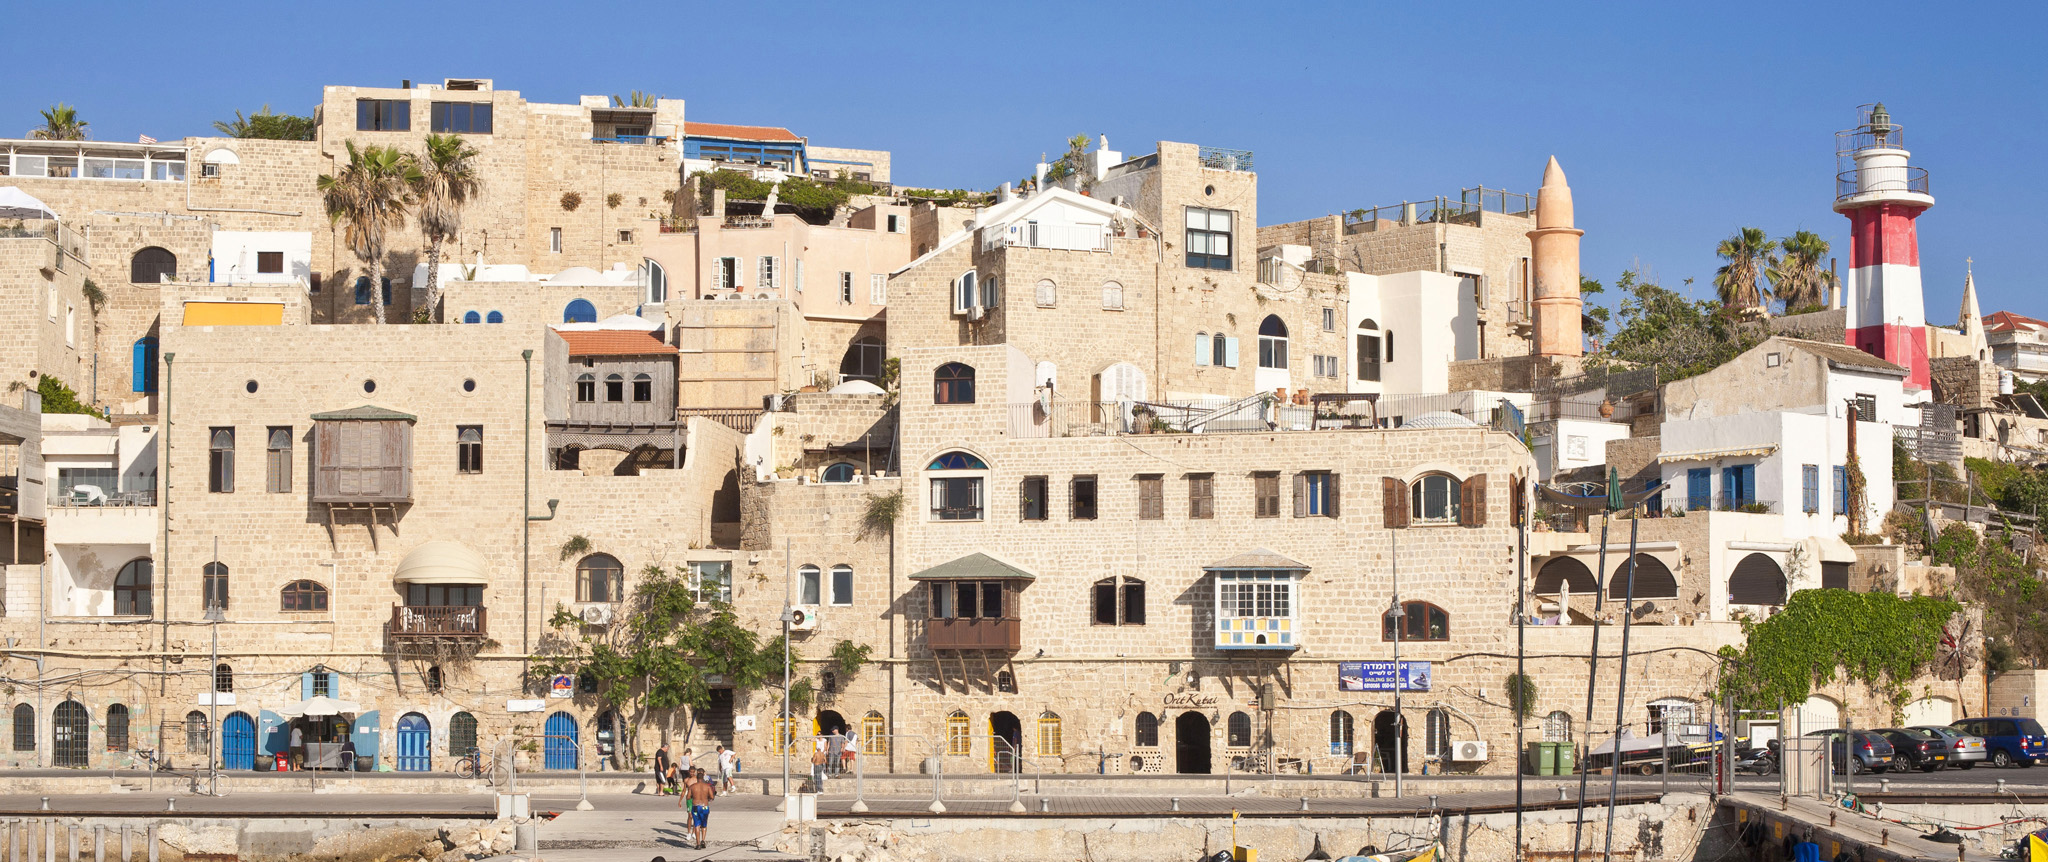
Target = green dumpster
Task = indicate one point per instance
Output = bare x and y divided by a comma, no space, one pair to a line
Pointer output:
1542,759
1566,759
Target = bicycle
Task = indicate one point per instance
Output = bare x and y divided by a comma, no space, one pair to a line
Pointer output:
473,765
155,763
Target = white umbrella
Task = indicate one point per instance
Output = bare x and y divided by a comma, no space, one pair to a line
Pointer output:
15,203
318,706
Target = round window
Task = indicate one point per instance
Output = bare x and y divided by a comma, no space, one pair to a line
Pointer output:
369,386
469,385
251,386
1208,190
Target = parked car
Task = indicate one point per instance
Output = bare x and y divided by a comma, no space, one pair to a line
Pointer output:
1873,753
1964,752
1924,749
2009,741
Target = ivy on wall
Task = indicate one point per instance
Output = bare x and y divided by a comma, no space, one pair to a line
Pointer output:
1877,639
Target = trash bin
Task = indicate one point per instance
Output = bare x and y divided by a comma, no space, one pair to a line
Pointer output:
1566,758
1540,759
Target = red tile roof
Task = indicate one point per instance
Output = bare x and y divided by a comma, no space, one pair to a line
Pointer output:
2006,321
744,133
613,342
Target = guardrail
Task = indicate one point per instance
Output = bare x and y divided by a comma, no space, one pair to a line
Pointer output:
1225,159
631,139
1465,209
1889,178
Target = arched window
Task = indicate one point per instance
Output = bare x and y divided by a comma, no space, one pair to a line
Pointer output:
586,388
24,727
1146,731
842,585
874,734
809,584
461,734
1557,727
953,383
1341,733
579,311
1757,580
959,735
214,585
152,265
494,317
863,360
1050,741
1048,293
1368,350
117,727
1420,621
600,578
303,596
133,588
223,678
1435,499
657,280
434,679
1437,733
196,734
1653,580
142,373
1237,731
643,388
1562,573
1272,343
957,461
615,388
1112,296
956,498
1120,601
471,316
837,474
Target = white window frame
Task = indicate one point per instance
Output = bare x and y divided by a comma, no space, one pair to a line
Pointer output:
1112,296
768,273
1453,503
1048,293
964,295
845,287
1329,319
878,289
719,272
555,240
833,596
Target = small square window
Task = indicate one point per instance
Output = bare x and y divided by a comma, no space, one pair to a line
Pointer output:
270,262
1329,320
209,170
1773,360
625,236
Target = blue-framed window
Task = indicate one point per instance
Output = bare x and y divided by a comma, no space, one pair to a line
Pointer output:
363,290
494,317
1699,488
789,155
144,371
579,311
472,317
1809,488
1738,485
1656,505
1841,494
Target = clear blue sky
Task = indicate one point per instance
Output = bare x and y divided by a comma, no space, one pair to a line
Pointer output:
1676,122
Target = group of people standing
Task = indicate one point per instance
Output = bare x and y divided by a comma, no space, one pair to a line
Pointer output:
832,754
696,789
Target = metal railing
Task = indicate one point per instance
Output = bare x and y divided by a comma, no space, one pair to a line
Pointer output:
1225,159
1465,209
426,621
1887,178
1052,236
1258,413
631,139
120,500
55,232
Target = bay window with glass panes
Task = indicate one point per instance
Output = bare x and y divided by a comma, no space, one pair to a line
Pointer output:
1257,609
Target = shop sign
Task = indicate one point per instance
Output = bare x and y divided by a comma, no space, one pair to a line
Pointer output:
1381,676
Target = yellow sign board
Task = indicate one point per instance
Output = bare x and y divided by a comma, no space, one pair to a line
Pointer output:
201,313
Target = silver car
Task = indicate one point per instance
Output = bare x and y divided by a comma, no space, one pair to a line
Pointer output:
1964,751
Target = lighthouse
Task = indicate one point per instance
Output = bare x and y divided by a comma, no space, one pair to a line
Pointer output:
1883,195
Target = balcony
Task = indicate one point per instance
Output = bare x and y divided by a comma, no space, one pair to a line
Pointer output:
644,140
410,621
1223,159
975,634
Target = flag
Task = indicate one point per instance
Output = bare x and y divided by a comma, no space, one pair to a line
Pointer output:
144,139
2037,850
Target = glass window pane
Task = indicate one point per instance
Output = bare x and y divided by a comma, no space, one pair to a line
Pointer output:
1219,220
1198,219
991,601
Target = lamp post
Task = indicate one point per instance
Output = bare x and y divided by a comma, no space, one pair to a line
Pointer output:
214,617
1400,764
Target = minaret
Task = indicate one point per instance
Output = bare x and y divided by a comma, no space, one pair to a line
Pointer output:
1555,246
1882,196
1970,320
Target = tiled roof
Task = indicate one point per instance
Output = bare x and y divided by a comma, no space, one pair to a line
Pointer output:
613,342
1845,356
2006,321
975,567
365,413
1257,558
744,133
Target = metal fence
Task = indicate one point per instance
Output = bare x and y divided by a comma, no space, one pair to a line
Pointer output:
1464,209
1225,159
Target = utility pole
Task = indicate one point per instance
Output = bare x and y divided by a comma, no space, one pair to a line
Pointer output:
1517,697
1592,677
1635,524
1400,764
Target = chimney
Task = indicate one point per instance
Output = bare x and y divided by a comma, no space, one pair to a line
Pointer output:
1003,193
405,84
1038,176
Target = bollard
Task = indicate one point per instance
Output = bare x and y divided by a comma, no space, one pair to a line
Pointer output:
1432,802
1304,803
171,803
1884,838
1884,785
1044,804
2001,785
1561,794
1176,804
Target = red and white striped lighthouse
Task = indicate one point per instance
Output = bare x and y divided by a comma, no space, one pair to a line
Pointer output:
1883,195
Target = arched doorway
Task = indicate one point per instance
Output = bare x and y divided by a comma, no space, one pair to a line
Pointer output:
1757,580
562,738
827,723
238,741
1390,742
415,743
71,729
152,265
1191,744
1002,756
579,311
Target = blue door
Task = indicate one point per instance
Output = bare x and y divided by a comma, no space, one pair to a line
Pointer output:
238,741
561,743
415,743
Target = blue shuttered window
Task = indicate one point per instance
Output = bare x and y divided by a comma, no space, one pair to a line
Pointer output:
1699,491
1841,494
1809,488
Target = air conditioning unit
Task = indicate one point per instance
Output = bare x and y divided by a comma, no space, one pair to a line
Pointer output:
1469,751
803,618
976,312
596,615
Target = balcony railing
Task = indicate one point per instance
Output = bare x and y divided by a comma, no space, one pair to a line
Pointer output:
1229,160
1069,237
51,230
413,621
1257,413
959,634
1886,178
631,139
1466,209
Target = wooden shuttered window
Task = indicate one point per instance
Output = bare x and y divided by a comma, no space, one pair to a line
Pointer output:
1301,495
1151,497
1201,495
1472,501
1394,505
1315,494
1266,494
362,461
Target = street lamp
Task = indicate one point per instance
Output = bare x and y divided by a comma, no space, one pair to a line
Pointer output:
214,617
1400,764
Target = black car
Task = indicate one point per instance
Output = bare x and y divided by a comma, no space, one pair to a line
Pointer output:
1924,749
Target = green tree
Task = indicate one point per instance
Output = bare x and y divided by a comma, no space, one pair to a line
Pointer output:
635,99
369,198
1070,165
445,181
59,398
1740,281
61,123
1662,329
1593,319
268,126
1801,276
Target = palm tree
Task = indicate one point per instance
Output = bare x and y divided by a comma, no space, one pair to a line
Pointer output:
444,182
368,198
1749,254
635,99
61,123
1799,277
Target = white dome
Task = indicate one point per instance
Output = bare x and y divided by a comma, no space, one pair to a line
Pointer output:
855,387
578,275
1440,419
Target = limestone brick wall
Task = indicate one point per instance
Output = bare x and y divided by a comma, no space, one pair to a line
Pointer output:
49,329
816,429
1964,381
530,302
734,353
876,161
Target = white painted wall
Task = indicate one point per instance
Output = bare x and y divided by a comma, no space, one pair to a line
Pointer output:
234,256
1576,443
1419,310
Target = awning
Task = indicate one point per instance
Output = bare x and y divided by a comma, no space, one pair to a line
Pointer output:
1832,549
975,567
318,706
15,203
1257,558
442,562
1711,454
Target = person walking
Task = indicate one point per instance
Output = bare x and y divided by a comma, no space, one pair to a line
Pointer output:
728,763
664,770
701,793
